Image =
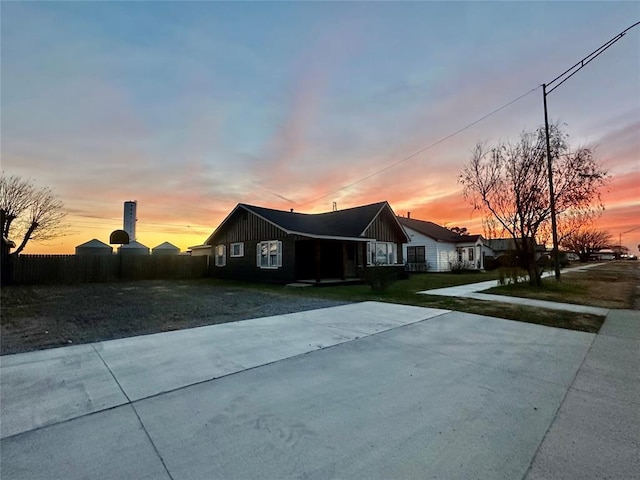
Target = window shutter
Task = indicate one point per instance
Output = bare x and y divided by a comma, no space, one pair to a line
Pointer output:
224,255
368,253
279,255
258,251
394,253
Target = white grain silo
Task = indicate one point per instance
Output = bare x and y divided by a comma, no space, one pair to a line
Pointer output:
133,248
165,248
129,223
94,247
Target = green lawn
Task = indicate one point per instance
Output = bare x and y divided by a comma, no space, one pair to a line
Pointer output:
404,292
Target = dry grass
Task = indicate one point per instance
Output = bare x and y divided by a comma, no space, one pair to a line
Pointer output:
609,285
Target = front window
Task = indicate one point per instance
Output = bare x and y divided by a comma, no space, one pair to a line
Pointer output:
269,254
381,253
237,250
221,255
471,254
459,254
415,255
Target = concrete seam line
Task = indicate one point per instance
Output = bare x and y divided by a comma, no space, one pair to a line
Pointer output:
133,407
131,402
444,312
555,416
363,335
602,395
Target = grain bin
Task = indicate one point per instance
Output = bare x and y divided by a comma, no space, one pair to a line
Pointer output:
94,247
165,248
133,248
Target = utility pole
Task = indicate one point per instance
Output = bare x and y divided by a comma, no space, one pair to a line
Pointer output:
563,77
552,195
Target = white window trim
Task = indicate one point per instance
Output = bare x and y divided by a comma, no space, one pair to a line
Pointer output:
391,249
241,254
270,264
220,259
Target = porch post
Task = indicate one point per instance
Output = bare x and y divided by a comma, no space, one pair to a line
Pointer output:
318,261
343,271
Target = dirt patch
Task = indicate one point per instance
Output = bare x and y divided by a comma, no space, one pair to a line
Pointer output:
38,317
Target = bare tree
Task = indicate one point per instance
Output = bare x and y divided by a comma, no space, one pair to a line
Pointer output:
30,213
509,184
586,241
459,230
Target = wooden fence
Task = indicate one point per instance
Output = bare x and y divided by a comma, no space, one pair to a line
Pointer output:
36,269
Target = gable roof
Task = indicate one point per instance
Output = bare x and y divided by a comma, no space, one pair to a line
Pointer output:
341,224
133,246
166,246
95,243
435,231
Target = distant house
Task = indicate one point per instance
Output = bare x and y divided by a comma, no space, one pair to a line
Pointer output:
200,250
507,246
603,254
262,244
438,249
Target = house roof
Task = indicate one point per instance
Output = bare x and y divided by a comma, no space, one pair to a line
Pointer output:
435,231
348,223
507,244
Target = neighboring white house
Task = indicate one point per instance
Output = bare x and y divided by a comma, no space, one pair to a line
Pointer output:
604,254
437,249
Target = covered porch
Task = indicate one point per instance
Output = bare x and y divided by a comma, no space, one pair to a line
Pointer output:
329,262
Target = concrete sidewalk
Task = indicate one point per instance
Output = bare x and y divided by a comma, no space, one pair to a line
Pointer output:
366,390
596,433
471,290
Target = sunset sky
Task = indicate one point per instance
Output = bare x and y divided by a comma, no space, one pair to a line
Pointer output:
192,107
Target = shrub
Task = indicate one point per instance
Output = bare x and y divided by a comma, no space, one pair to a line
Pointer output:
379,277
458,266
511,275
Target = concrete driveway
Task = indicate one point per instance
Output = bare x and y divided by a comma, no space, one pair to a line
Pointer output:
368,390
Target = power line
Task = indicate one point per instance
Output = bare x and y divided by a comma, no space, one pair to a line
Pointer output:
388,167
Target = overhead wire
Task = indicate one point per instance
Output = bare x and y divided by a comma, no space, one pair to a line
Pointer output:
360,180
422,150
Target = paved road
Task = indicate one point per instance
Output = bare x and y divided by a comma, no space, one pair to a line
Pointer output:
367,390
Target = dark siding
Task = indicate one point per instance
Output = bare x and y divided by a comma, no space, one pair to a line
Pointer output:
245,268
385,229
244,226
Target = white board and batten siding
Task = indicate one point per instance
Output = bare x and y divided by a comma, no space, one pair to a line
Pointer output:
440,255
437,254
